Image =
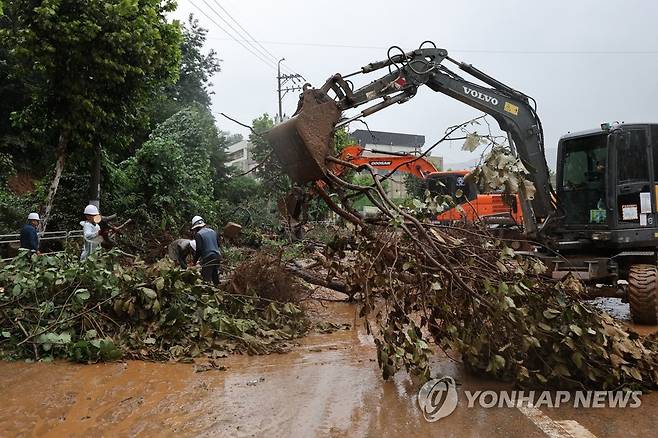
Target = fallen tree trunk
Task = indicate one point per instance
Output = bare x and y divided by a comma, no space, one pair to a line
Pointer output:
59,168
314,278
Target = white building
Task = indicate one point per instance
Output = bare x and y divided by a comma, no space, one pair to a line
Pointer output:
240,155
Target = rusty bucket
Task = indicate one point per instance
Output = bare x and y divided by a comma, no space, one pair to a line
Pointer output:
302,143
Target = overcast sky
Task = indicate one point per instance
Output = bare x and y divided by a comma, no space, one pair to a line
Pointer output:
585,62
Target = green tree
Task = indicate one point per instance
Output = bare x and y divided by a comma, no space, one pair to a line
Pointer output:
196,68
342,138
275,181
173,175
195,71
231,138
91,66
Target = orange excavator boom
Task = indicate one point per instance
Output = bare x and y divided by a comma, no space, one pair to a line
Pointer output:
399,162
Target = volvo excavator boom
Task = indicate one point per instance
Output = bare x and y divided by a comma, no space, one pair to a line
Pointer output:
303,142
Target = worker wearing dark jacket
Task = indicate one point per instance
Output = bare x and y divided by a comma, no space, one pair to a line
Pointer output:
29,234
207,249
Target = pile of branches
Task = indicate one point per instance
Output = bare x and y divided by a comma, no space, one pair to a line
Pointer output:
265,274
464,290
113,306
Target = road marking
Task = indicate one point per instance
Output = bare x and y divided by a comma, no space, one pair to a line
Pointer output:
576,429
555,429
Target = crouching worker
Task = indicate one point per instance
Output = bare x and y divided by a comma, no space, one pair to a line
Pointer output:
90,231
180,250
207,249
29,234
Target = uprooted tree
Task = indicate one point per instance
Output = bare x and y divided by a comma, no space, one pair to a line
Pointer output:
114,305
466,291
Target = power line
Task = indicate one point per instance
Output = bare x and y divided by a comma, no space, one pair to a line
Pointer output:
274,57
494,51
237,32
256,54
253,39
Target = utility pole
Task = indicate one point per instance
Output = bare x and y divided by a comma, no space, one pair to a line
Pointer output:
281,80
278,78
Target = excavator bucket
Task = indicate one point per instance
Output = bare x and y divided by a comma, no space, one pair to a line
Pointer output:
302,143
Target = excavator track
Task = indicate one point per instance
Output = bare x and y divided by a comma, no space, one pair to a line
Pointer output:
642,293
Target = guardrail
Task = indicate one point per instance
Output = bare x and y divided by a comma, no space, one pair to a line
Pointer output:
8,239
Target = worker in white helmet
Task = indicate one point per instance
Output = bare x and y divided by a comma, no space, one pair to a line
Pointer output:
207,250
180,250
90,230
29,233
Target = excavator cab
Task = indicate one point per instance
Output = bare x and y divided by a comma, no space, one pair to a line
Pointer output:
607,181
607,187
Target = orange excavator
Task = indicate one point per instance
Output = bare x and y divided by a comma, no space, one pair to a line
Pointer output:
389,161
490,208
493,208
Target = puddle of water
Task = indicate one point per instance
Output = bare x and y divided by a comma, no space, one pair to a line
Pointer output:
622,312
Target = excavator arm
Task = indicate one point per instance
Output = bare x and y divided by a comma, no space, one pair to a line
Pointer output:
382,160
302,139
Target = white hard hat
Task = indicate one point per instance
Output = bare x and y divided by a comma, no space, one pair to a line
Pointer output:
91,210
33,217
197,221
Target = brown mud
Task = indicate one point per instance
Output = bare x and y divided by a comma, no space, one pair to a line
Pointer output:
329,385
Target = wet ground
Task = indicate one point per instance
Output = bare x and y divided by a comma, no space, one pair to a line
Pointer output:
329,385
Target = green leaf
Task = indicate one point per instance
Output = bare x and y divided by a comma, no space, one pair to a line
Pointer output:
508,252
82,294
473,140
159,283
577,330
149,341
499,360
545,327
418,204
550,313
6,334
149,293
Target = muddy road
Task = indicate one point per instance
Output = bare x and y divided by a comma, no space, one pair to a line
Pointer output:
329,385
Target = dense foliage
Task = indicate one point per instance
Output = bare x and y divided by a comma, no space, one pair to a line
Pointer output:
173,168
171,176
111,306
88,68
462,289
89,65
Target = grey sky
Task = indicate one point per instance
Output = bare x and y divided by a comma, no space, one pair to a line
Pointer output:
571,56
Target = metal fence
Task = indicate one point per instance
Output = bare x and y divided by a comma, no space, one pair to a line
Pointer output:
65,236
